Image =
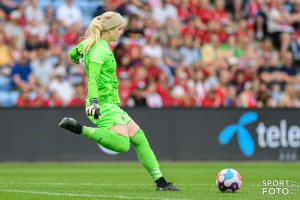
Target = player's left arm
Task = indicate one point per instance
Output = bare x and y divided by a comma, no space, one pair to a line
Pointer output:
76,53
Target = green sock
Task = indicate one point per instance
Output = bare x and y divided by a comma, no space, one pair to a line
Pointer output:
145,154
107,138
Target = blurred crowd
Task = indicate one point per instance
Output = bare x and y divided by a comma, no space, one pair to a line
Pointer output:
173,53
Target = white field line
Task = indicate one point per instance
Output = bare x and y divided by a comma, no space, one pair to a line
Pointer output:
107,184
83,195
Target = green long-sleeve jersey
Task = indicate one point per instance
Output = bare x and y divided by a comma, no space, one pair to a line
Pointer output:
100,66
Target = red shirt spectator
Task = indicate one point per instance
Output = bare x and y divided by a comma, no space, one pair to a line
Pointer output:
163,90
54,100
219,14
125,87
70,38
211,99
23,100
53,36
247,98
183,10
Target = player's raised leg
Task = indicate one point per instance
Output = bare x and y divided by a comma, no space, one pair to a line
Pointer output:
108,139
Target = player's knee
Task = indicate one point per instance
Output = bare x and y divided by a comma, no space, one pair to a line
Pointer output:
124,147
139,139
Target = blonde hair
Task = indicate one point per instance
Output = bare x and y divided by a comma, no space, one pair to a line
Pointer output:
96,29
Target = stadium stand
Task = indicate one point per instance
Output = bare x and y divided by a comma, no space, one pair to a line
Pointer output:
173,53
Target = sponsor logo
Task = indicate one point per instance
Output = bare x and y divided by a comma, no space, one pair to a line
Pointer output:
245,140
271,136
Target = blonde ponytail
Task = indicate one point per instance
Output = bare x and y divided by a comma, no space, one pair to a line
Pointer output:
94,33
96,28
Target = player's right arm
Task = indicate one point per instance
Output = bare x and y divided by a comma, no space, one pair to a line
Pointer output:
95,60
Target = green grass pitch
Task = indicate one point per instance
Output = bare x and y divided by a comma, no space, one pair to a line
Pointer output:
128,180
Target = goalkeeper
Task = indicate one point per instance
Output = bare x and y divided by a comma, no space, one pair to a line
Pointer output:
115,129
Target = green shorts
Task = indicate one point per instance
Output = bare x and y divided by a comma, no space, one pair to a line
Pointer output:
111,115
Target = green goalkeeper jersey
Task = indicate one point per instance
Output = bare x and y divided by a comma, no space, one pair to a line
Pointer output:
100,66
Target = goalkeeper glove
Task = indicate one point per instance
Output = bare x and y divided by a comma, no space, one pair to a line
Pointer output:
81,58
94,109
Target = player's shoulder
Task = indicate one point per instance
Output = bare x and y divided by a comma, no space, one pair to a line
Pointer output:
101,48
99,52
103,45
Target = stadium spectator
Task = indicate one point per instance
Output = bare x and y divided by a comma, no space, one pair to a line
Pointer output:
153,99
139,74
220,15
23,99
190,51
163,89
247,98
204,11
263,95
8,5
151,66
210,53
53,37
134,7
138,96
168,30
279,25
40,99
61,85
267,52
115,5
36,28
230,50
211,99
68,13
15,50
150,28
179,92
164,12
295,48
77,99
276,94
153,48
146,10
42,67
248,60
195,84
125,87
22,75
5,57
33,43
172,56
134,29
230,98
2,18
260,27
32,11
13,29
290,97
182,9
72,34
54,100
49,15
288,66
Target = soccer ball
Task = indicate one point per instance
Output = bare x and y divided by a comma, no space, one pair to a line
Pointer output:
229,180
